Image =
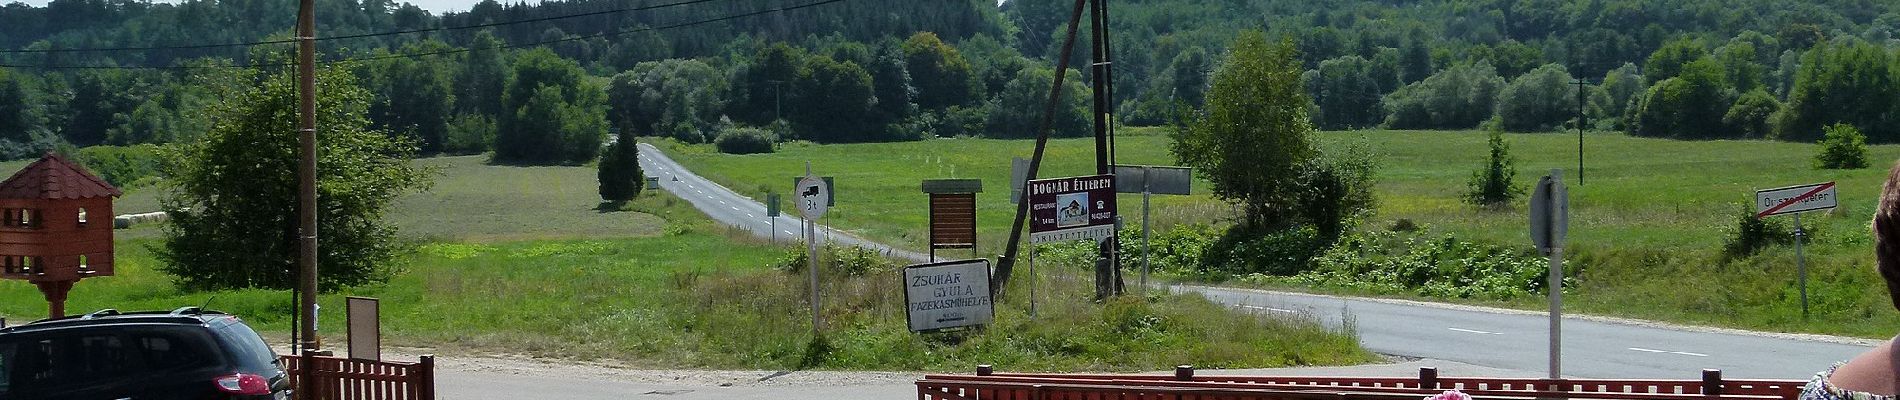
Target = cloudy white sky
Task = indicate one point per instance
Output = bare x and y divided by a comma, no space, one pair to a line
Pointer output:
434,6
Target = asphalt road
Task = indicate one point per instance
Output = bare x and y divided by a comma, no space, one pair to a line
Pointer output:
1488,338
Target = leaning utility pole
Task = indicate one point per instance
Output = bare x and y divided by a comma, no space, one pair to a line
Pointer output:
1007,262
307,177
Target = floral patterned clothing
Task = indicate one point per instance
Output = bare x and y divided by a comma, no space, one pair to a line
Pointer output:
1820,389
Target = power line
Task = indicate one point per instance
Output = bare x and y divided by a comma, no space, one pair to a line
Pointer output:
451,51
355,36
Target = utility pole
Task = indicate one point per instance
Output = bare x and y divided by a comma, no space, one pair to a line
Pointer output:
307,192
1580,123
1108,279
1007,263
778,112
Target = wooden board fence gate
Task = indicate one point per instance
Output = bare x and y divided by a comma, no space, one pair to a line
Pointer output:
986,385
339,378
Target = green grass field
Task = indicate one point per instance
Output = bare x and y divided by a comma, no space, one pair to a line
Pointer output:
1648,218
517,260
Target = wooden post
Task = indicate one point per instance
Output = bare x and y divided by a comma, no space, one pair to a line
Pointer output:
55,292
427,383
984,370
1712,382
1428,378
1184,373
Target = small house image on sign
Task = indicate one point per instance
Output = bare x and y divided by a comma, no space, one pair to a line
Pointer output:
1072,210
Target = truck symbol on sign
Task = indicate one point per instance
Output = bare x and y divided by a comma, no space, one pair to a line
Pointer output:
810,191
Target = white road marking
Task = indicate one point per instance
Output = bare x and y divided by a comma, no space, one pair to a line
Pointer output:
1265,308
1474,331
1669,352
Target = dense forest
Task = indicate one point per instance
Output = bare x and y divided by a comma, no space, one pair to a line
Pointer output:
543,83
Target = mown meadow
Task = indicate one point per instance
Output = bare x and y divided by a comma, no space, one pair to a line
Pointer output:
1650,216
519,260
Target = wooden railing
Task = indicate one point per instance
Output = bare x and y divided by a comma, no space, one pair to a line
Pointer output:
986,386
347,379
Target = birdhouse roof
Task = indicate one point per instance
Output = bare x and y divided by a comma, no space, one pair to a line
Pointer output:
55,178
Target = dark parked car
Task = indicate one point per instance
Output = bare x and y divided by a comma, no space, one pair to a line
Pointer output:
182,354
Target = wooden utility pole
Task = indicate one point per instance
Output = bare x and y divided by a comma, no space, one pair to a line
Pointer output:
1012,248
307,176
1108,277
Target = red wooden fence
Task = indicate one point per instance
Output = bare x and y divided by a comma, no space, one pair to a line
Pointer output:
1184,385
346,379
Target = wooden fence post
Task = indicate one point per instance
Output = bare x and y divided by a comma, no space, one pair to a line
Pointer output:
1712,382
428,377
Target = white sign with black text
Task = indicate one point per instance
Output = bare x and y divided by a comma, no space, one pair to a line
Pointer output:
948,294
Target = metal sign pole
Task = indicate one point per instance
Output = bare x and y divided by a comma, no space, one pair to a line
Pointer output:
1800,264
1032,281
1146,250
1556,274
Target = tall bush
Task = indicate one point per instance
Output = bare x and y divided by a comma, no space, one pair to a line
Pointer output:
1842,148
1494,184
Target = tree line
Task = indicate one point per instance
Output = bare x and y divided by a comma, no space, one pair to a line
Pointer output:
912,70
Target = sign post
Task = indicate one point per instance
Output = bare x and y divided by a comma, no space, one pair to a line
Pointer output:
813,200
1149,180
1794,200
948,294
771,214
1550,223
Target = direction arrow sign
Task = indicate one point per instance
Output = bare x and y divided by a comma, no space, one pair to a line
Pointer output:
1794,199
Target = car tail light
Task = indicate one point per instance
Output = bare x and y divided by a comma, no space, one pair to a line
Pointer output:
245,384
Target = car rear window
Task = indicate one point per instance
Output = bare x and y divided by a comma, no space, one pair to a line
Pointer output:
247,347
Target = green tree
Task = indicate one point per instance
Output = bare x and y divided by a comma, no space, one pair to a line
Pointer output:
1751,116
1347,96
1494,184
1459,97
556,116
18,113
1621,88
1668,61
891,80
1688,106
414,96
1848,82
833,102
619,170
1190,76
1416,58
762,87
675,98
1739,65
1253,136
1017,111
941,74
484,76
1539,101
1842,148
232,198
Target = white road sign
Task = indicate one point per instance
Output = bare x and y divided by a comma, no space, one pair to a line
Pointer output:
948,294
1793,199
813,197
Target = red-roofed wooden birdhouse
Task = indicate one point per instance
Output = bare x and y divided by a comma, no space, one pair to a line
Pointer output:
55,227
